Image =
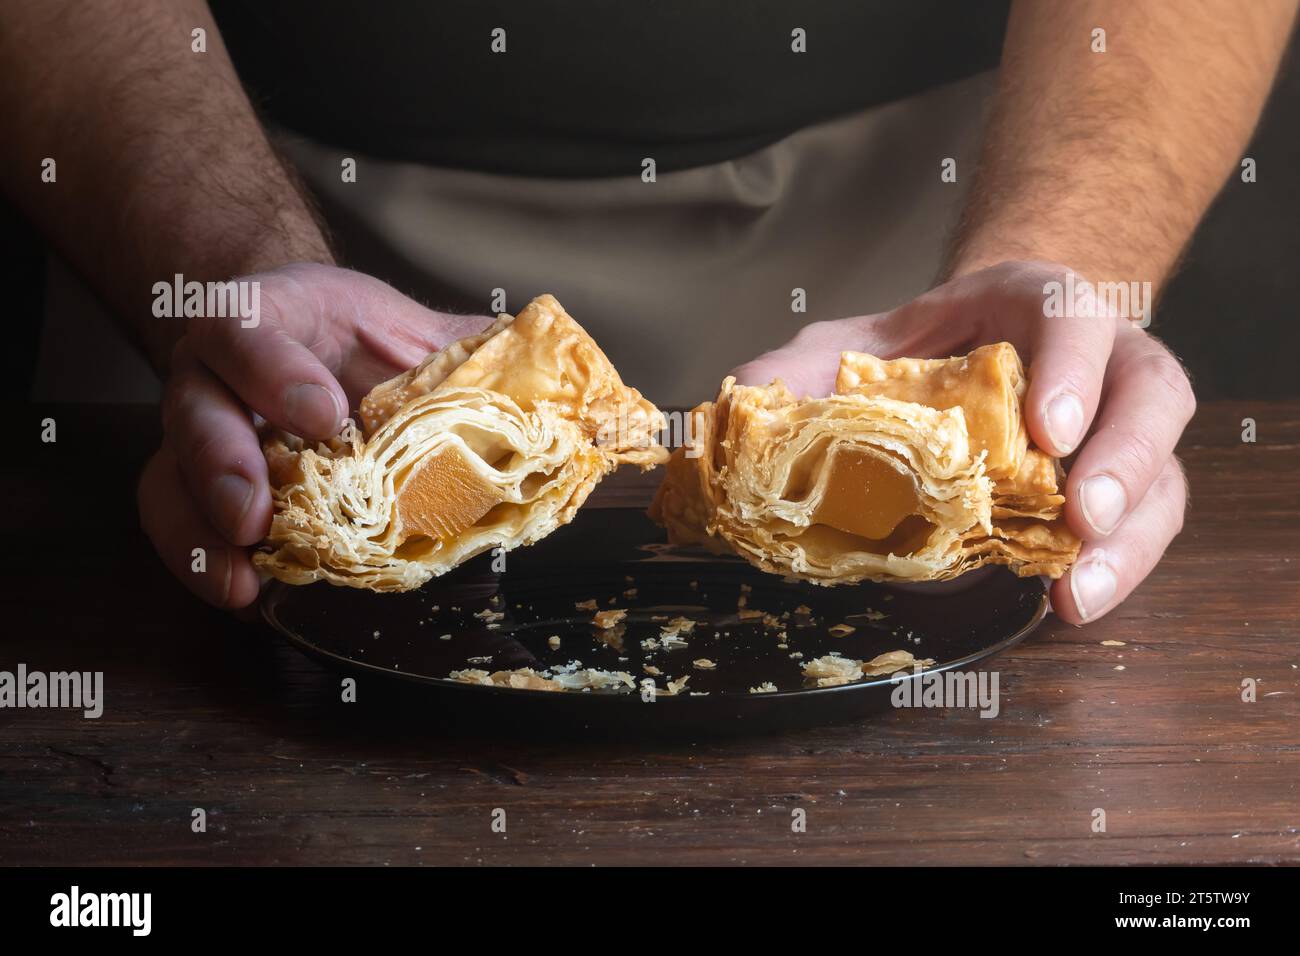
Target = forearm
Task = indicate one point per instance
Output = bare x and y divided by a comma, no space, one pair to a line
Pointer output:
162,166
1107,161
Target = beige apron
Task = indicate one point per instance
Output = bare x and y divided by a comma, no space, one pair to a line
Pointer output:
679,279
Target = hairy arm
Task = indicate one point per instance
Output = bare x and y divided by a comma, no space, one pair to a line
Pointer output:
162,166
1107,161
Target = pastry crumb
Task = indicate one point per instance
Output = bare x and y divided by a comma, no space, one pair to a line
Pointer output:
608,619
570,677
833,670
678,625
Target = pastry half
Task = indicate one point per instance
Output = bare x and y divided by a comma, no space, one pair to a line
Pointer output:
914,470
493,442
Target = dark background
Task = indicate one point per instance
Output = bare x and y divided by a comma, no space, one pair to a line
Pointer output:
1230,311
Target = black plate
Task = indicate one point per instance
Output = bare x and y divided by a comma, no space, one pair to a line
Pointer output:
601,555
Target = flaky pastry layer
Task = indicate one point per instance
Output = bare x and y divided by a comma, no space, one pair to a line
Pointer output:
915,470
493,442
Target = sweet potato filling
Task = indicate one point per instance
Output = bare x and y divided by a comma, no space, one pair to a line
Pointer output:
866,494
443,496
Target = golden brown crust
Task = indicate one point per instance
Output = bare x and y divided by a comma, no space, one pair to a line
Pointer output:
386,398
530,413
988,385
762,462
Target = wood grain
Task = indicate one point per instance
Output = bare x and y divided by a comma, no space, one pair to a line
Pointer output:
204,711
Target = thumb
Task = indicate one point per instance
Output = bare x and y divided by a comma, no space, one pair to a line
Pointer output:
808,373
809,362
388,332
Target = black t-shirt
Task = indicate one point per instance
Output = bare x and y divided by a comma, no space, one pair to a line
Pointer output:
591,87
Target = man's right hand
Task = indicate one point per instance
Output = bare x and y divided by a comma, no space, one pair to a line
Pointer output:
324,338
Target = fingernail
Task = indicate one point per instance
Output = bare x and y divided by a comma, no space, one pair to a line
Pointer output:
231,496
1093,585
312,410
1065,421
1103,502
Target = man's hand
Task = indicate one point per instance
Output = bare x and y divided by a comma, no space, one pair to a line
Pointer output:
1099,388
325,337
1114,125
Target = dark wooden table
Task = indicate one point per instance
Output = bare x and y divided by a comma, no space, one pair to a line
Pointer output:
205,711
